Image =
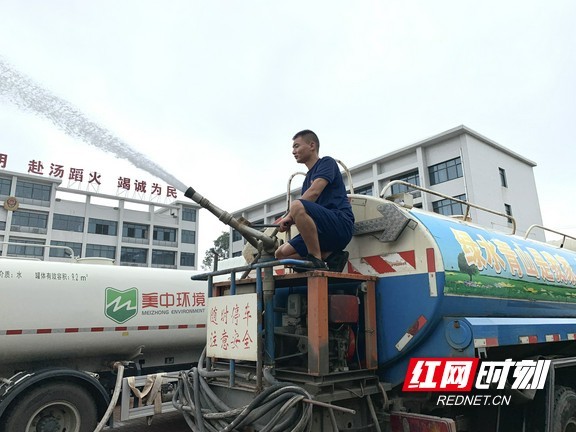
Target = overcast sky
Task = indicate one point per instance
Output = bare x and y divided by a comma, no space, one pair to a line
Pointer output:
213,91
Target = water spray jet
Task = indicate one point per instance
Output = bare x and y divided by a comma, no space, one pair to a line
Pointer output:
28,96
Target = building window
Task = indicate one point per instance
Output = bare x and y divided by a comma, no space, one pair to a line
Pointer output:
364,190
68,223
188,236
236,236
95,250
236,254
187,259
22,250
445,171
5,186
30,220
508,210
129,255
163,257
189,214
448,207
65,253
164,234
503,180
33,191
103,227
412,177
136,231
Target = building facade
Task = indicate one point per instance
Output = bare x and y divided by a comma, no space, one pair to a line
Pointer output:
458,163
41,220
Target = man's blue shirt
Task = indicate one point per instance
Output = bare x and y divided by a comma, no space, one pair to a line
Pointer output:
333,197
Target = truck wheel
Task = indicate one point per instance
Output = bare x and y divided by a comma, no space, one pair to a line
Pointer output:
56,407
564,419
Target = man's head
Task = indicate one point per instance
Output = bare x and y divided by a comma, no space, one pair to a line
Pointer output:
305,147
308,136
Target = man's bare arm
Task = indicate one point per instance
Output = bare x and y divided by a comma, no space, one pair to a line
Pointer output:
315,189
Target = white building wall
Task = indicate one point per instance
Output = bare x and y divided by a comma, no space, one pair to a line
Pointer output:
115,209
485,186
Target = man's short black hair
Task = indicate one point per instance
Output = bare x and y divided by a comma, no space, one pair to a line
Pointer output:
308,136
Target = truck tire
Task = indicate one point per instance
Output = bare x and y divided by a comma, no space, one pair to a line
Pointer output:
54,407
564,418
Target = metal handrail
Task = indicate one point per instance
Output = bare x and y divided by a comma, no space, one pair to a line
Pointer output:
348,175
253,266
289,186
465,203
564,236
288,192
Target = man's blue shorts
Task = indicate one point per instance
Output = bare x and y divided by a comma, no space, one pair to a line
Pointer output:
334,229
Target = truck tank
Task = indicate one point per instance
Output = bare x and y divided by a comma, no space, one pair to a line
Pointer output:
448,287
57,313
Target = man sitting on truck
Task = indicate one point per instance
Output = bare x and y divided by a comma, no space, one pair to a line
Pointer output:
323,214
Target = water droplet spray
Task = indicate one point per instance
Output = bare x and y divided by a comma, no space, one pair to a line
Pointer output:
30,97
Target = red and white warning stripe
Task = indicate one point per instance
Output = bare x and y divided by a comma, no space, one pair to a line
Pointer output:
375,265
553,338
396,263
18,332
485,342
431,263
528,339
409,335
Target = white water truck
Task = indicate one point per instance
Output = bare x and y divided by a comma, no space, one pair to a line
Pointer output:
63,326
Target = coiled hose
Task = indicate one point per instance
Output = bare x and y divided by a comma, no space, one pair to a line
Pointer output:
280,407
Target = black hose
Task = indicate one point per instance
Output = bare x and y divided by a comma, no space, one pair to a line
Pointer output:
248,408
205,412
282,411
264,409
200,421
212,396
287,423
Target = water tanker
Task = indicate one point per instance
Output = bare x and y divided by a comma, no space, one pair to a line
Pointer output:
425,302
447,287
426,307
60,319
52,312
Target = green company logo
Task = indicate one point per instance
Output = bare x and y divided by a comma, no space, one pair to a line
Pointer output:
121,305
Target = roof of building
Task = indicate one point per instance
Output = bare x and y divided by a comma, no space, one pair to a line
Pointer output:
443,136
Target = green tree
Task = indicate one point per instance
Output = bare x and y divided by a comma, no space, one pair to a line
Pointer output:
221,248
470,270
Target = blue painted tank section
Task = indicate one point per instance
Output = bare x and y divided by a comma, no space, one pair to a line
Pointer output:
401,301
434,344
483,263
483,274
